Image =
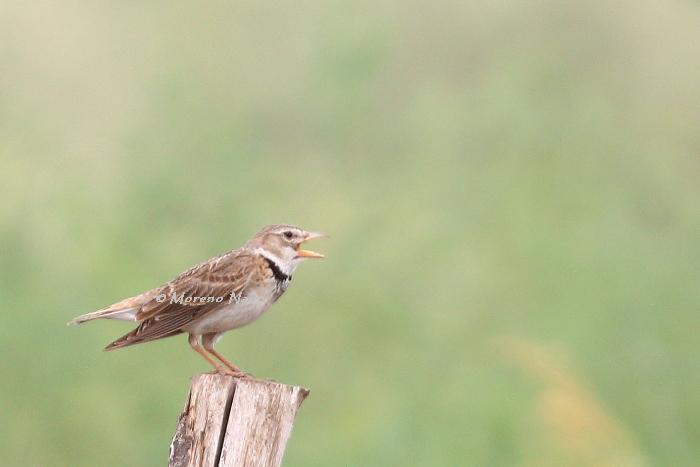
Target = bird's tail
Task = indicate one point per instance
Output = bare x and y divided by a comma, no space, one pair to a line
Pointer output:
135,337
124,310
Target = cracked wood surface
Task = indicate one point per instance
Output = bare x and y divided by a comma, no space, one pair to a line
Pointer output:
241,422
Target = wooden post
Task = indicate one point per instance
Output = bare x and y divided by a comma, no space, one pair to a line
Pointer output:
241,422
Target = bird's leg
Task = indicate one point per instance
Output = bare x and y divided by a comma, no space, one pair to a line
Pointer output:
194,343
208,343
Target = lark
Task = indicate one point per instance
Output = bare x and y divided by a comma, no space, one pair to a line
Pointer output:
223,293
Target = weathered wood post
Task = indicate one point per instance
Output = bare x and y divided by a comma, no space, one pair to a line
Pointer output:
241,422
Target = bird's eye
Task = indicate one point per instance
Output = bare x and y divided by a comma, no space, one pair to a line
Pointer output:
288,234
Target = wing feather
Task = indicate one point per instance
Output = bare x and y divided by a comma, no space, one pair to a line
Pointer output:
191,295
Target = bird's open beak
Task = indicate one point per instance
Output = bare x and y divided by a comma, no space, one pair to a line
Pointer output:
309,253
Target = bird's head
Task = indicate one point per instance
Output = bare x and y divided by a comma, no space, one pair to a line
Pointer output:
281,244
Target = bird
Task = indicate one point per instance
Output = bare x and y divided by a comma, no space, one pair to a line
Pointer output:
223,293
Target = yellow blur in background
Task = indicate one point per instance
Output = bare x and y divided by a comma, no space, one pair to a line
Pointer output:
511,190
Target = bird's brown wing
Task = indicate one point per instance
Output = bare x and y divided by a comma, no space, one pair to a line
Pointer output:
191,295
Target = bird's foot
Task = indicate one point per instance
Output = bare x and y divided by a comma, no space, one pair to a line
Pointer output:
234,373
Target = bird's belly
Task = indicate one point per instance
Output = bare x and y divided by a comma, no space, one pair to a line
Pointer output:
232,315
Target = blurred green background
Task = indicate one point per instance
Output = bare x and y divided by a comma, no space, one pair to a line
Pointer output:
511,190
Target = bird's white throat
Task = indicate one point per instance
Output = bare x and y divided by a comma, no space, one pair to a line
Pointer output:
286,265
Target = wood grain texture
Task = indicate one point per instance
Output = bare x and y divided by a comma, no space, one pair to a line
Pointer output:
237,422
260,423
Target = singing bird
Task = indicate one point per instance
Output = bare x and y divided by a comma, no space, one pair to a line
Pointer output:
223,293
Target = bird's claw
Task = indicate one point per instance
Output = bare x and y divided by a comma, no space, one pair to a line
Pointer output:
233,373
